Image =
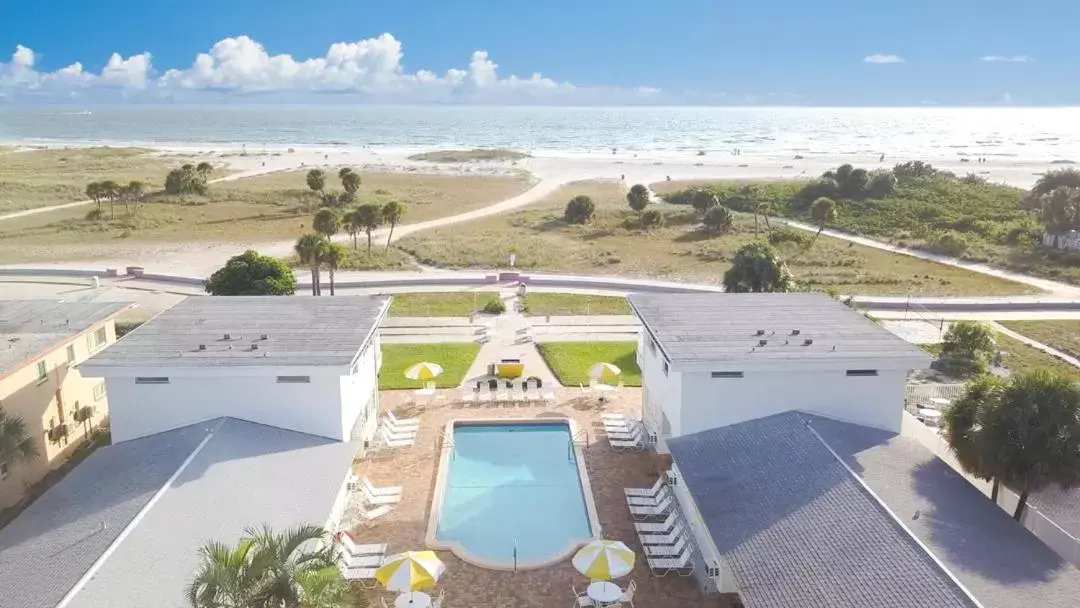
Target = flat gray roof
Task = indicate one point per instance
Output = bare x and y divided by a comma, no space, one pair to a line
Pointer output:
1002,563
245,475
29,328
300,331
703,327
797,529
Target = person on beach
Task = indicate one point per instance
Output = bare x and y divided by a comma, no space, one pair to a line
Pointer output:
882,159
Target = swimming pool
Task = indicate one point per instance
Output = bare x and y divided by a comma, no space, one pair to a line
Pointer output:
512,494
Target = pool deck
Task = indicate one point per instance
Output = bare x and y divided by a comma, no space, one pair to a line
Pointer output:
466,585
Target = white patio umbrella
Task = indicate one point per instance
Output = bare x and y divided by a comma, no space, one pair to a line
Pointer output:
604,559
423,371
410,571
599,370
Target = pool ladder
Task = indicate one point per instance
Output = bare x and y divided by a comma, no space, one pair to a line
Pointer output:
580,439
445,441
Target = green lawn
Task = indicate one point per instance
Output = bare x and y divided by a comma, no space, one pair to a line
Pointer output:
542,304
454,357
1020,358
1062,335
570,361
439,304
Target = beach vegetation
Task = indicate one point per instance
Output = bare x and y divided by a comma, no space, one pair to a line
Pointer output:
17,444
252,274
307,249
392,213
350,182
333,256
326,222
966,350
823,212
758,267
367,218
437,303
718,219
316,180
188,179
652,218
580,210
702,200
638,197
464,156
494,306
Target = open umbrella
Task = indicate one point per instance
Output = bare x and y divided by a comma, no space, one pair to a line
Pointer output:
410,571
604,559
423,371
599,370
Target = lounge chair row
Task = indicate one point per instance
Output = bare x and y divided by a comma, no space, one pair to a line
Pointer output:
358,562
397,432
624,432
515,395
667,544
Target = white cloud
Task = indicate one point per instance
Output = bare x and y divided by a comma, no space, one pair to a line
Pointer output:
1005,59
879,58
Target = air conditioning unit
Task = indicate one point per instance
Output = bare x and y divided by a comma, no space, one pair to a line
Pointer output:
57,433
84,413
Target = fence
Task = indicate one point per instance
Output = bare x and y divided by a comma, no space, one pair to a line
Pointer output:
923,394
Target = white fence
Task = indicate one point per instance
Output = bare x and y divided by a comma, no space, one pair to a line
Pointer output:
923,394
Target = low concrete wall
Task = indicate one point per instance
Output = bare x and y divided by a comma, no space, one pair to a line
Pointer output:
52,272
1059,540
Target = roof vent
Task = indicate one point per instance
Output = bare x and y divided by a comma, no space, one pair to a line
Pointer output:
762,342
254,346
202,347
808,342
795,332
761,332
230,347
228,337
265,336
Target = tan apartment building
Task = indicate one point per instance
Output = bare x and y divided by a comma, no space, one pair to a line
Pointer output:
41,344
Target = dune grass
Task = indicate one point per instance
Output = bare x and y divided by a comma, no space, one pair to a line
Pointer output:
545,303
464,156
613,244
1063,335
454,357
1021,358
570,361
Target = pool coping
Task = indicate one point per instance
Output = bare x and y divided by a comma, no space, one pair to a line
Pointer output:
440,492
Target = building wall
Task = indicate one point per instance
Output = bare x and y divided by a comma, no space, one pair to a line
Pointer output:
360,394
661,394
144,409
875,401
45,403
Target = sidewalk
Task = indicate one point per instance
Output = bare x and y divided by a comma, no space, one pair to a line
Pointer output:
507,340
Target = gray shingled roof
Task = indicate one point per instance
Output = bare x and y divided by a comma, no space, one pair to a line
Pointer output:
999,561
300,331
797,529
29,328
245,475
702,328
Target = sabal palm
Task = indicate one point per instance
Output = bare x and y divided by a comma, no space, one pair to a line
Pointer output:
308,248
16,444
392,213
367,217
333,255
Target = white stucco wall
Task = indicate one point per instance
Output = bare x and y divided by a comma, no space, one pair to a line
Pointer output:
360,396
875,401
144,409
662,394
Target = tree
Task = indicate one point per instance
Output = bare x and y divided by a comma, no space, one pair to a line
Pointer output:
95,193
580,210
316,180
855,185
822,211
110,190
1060,209
326,222
204,169
134,193
350,181
16,443
1025,432
638,197
352,227
252,274
757,267
392,213
307,249
842,173
367,217
718,219
1052,180
966,349
912,170
652,218
703,200
882,184
333,256
267,569
187,180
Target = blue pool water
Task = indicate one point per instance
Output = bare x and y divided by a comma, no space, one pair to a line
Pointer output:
513,484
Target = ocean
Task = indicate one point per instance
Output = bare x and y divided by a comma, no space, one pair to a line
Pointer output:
1038,135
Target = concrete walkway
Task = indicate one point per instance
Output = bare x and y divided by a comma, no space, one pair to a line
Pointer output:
509,338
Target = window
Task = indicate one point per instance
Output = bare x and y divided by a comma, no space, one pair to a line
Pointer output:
3,471
726,374
71,353
99,392
862,372
665,368
294,379
42,371
152,380
97,338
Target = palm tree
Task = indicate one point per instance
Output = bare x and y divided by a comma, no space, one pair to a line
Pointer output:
823,211
94,193
16,444
333,255
226,578
961,429
392,212
316,180
136,190
757,267
204,169
110,190
307,249
350,181
367,217
326,222
638,197
352,227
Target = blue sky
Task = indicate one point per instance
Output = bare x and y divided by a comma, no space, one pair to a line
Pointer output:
587,51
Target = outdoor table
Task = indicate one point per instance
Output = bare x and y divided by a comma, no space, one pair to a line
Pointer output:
604,592
604,388
413,599
424,392
940,402
929,414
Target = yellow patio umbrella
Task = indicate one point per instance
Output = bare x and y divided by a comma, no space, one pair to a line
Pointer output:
601,370
410,571
604,559
423,371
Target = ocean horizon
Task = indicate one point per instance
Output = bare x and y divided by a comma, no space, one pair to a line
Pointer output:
1012,134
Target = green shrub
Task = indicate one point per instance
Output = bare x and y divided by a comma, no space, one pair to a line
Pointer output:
652,218
718,219
95,215
782,235
950,243
579,210
494,306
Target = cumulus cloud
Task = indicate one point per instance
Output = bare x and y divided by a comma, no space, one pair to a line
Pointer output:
879,58
370,69
1005,58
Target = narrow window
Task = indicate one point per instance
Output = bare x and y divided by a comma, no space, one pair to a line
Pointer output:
100,336
727,374
42,371
152,380
294,379
99,392
862,372
71,353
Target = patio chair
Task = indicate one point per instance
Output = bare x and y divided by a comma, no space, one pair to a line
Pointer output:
632,434
663,527
374,501
373,560
401,422
468,395
653,491
485,396
379,490
364,576
548,396
437,601
398,434
366,517
585,390
517,396
682,564
634,445
581,599
677,533
501,396
394,442
627,596
667,550
614,417
646,501
647,511
362,549
493,385
616,428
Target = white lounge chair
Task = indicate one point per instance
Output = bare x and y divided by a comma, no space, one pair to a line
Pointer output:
362,549
380,490
502,397
682,564
636,445
397,433
365,576
677,533
667,550
394,442
548,396
373,560
633,432
485,396
517,396
368,516
614,417
646,501
374,501
643,512
468,395
663,527
401,422
585,390
653,491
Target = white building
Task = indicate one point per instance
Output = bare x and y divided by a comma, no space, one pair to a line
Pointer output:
303,364
712,360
